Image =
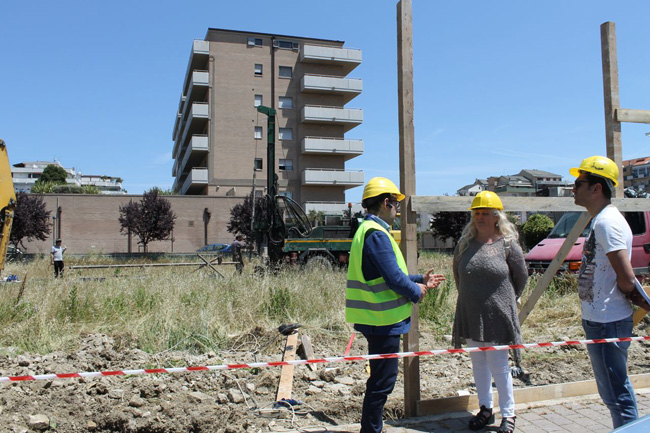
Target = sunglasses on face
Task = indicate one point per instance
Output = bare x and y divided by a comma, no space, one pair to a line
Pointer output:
394,203
577,183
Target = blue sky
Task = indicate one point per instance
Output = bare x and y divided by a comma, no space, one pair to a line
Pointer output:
499,86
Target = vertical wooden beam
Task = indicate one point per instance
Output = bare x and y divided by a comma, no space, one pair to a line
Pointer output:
612,99
407,186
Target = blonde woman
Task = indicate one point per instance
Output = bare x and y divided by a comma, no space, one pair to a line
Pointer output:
490,275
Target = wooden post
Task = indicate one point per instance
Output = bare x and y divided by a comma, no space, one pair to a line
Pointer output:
407,186
612,99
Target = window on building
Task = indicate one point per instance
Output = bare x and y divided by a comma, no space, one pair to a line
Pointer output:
286,164
258,164
286,72
287,45
285,102
258,100
258,69
285,134
288,194
252,42
258,133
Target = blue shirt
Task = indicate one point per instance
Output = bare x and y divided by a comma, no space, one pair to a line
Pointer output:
379,260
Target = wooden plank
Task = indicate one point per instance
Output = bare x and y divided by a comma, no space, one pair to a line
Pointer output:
552,269
612,99
632,116
523,395
286,376
407,186
307,351
434,204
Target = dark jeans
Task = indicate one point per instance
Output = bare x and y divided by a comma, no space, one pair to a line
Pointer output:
383,374
609,362
58,268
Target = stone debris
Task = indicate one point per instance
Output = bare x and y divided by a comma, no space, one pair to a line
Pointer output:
235,395
38,422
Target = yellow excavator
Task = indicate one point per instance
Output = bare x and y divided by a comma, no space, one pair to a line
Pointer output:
7,203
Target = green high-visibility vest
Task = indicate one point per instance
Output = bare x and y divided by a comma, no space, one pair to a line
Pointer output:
373,302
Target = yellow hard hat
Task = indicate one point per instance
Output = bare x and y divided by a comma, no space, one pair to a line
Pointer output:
599,166
486,199
380,185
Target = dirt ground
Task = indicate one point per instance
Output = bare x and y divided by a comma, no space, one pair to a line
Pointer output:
241,400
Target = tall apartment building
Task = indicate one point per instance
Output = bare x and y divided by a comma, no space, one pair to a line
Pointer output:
220,139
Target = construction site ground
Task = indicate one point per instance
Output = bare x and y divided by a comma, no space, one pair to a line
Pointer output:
243,400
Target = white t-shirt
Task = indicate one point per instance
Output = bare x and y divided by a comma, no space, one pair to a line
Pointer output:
602,301
58,253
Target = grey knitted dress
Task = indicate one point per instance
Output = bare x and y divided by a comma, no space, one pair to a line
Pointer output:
489,280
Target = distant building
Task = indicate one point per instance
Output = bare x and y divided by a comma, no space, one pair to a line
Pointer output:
548,184
25,174
473,188
527,183
220,138
636,173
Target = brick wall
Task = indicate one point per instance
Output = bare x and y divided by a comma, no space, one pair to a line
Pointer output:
89,223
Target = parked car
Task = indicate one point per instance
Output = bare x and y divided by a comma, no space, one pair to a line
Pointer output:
214,248
13,251
540,257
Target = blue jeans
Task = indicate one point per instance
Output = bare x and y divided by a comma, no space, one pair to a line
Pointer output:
609,362
383,374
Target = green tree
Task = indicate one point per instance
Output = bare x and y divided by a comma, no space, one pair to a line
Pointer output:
317,218
241,217
54,188
31,219
151,219
449,225
53,173
536,229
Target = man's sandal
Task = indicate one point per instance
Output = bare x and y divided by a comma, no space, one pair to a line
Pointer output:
481,419
507,424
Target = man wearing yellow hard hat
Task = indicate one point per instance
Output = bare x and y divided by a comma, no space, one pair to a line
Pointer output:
380,294
605,282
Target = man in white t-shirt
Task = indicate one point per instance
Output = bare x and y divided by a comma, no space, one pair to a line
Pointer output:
605,281
56,258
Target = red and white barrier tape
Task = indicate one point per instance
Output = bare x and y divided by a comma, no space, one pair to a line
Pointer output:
315,361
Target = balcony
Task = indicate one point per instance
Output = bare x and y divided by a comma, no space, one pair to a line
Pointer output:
195,182
193,154
347,58
327,207
332,177
347,117
194,90
194,124
332,146
348,87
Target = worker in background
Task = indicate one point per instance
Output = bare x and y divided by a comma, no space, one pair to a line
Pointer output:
380,294
56,258
605,281
237,255
490,274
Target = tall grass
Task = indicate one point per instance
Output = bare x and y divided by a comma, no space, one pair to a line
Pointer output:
186,308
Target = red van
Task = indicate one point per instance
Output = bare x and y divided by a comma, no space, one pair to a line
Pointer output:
544,252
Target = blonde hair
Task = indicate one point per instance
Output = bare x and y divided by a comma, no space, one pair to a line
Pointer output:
503,226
